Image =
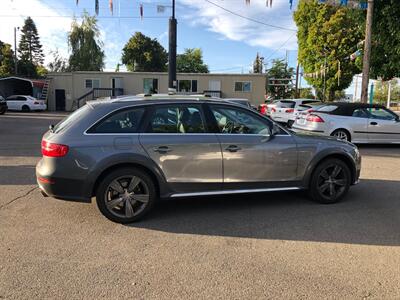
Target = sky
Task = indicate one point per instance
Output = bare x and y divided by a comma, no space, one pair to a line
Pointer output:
229,40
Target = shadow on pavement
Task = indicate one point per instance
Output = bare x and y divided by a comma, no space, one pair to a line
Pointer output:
17,175
384,150
369,215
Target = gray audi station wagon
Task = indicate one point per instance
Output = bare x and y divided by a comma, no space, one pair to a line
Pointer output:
129,152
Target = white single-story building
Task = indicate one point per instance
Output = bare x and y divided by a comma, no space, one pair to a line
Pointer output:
66,88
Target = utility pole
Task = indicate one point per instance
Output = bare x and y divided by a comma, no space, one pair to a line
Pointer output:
15,51
324,90
172,51
297,80
367,52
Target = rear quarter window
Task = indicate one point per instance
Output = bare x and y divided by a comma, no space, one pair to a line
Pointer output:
71,119
122,121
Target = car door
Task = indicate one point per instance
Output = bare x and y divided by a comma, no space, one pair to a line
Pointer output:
252,157
12,102
178,141
383,126
358,123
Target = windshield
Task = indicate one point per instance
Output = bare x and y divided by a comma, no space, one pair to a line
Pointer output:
71,119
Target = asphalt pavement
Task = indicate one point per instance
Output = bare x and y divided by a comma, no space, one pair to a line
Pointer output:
259,246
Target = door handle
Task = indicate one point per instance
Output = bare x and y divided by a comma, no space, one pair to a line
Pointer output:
373,123
162,149
233,148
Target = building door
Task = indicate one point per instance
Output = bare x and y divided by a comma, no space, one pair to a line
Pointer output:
214,85
60,100
116,83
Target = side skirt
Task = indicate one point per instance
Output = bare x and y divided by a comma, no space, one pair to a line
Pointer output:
243,191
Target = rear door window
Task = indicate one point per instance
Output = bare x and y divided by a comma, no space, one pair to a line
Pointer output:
176,118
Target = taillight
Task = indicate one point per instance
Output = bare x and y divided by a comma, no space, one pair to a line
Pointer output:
36,102
273,109
263,109
314,118
290,110
54,150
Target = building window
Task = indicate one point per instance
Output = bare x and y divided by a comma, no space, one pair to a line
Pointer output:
91,83
189,86
242,86
150,85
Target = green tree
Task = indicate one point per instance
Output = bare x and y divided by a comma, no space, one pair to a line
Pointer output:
382,89
327,35
257,64
191,61
29,49
143,54
6,60
85,45
306,93
58,63
280,70
385,62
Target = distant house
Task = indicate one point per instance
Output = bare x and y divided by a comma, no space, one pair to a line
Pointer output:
66,89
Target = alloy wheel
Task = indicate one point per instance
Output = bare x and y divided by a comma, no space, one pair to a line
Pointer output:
341,135
332,182
127,196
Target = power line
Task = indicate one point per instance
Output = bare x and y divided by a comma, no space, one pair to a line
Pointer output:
72,16
280,47
249,19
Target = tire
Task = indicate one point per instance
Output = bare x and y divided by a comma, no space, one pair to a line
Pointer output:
3,111
25,108
290,123
330,173
342,134
121,203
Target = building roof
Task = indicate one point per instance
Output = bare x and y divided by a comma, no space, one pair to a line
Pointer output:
34,82
155,73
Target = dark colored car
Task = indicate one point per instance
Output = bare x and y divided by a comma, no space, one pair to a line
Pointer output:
3,105
132,151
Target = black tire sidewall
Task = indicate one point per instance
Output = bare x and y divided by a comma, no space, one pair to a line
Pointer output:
25,108
100,194
313,190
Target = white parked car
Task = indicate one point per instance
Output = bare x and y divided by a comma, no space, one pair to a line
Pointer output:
355,122
301,109
25,103
281,110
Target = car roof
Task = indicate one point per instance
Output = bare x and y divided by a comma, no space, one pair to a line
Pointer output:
347,108
157,98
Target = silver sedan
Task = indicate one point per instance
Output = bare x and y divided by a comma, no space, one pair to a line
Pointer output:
355,122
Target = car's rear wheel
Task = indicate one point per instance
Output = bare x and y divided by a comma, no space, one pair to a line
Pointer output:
3,110
126,195
330,181
25,108
341,134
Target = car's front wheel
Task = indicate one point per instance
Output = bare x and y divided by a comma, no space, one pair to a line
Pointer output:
330,181
126,195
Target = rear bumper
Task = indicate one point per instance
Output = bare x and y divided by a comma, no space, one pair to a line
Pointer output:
60,188
39,107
